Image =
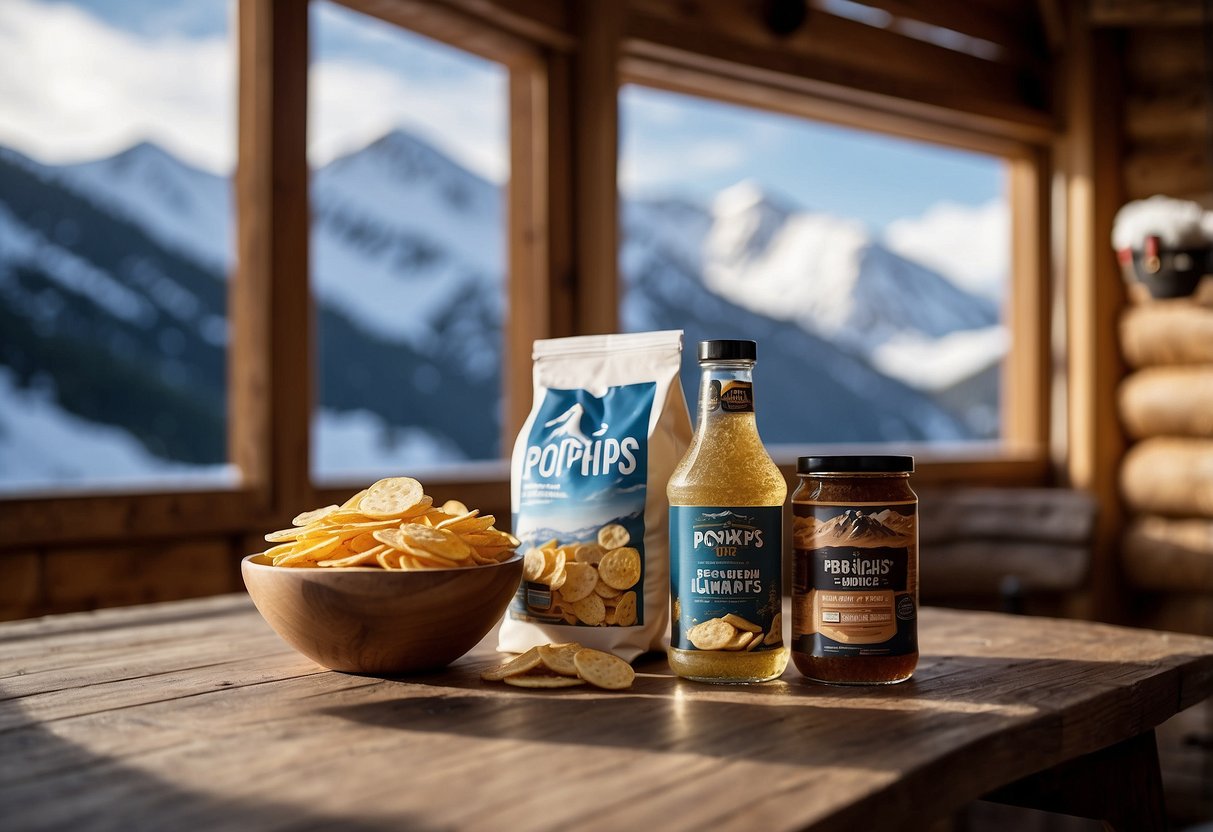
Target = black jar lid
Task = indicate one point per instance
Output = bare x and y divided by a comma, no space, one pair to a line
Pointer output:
858,464
725,350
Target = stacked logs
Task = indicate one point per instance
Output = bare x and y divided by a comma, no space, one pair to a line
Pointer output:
1166,405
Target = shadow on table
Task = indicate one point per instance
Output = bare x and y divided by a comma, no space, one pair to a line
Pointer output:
1004,706
100,792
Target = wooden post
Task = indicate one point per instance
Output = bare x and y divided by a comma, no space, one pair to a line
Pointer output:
595,130
1094,292
270,356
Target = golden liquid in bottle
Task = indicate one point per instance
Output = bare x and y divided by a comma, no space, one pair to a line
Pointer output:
727,465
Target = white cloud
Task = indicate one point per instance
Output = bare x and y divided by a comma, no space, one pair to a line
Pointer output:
671,162
73,87
971,246
352,103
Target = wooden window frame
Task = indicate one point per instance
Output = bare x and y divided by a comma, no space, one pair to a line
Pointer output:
566,63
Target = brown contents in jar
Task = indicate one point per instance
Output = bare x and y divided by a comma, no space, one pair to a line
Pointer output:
855,570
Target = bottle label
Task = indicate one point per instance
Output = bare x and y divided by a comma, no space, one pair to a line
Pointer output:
725,577
730,396
855,579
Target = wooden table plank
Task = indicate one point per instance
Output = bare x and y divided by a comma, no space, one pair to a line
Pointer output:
234,729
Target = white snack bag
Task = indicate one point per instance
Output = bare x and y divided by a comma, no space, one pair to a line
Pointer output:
587,483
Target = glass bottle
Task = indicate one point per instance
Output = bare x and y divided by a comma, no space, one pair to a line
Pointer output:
726,527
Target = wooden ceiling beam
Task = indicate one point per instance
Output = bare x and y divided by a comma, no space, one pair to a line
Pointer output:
846,61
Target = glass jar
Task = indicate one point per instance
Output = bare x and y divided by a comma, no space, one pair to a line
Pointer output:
855,569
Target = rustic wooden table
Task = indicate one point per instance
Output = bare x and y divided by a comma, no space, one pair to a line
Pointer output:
194,715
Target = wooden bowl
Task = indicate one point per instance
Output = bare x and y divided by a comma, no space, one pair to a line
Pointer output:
361,620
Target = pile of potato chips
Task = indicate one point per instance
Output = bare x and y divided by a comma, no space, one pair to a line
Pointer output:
563,666
392,525
590,583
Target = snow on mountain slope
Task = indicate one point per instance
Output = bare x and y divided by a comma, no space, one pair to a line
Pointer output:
42,443
183,207
828,275
401,232
22,246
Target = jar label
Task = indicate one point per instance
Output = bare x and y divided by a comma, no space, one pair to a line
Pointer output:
855,579
725,577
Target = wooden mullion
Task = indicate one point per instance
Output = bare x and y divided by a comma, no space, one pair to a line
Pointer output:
594,112
270,299
1095,295
1026,376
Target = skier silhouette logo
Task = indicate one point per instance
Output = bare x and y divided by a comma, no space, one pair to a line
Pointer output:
569,424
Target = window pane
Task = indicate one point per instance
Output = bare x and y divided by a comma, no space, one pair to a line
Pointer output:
408,146
117,143
870,269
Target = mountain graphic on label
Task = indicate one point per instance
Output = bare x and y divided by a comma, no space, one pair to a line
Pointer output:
569,424
853,528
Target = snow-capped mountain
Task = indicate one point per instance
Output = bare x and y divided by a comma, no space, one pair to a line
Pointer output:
112,280
181,206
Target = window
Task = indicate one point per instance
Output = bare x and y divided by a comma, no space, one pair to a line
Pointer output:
873,270
117,141
409,151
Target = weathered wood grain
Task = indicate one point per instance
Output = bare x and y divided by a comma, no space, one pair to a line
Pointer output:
1168,401
1169,475
170,738
1167,333
1163,553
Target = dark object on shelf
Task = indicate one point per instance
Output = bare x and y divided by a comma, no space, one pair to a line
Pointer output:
783,17
1168,273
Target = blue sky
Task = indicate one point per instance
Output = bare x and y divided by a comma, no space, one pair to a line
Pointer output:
86,78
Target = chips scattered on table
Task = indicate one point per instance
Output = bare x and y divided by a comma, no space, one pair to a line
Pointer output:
391,525
561,666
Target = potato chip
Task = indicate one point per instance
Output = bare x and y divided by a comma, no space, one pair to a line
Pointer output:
743,624
612,536
620,567
559,657
580,579
556,579
539,680
309,517
555,563
712,634
392,497
605,591
755,642
534,564
739,641
454,507
283,535
604,670
589,553
309,554
517,665
590,610
775,636
625,611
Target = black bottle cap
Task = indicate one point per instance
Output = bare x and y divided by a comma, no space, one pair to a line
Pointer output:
728,351
859,464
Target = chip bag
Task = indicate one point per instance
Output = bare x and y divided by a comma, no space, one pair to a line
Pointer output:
608,425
